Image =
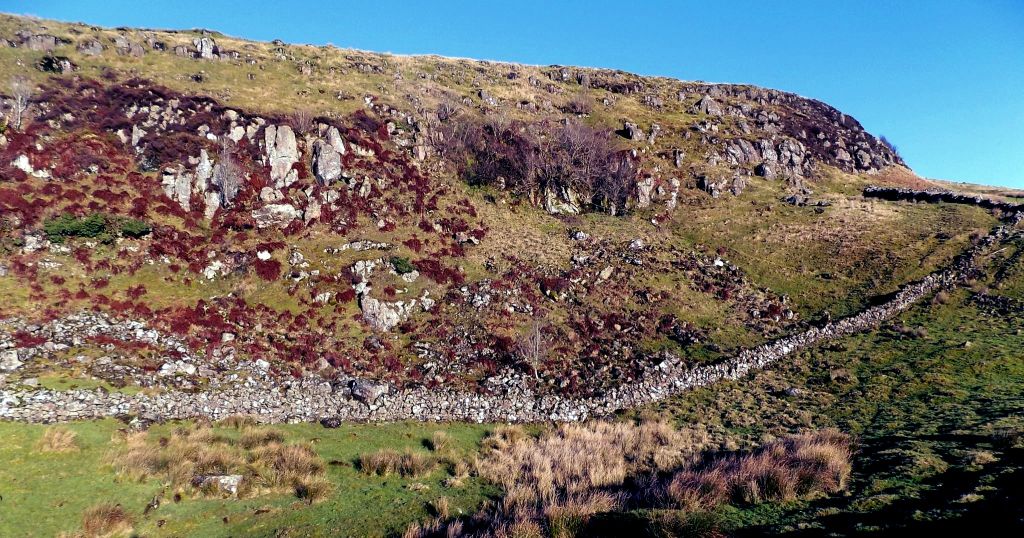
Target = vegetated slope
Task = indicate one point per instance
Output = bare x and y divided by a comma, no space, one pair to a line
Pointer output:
424,220
934,400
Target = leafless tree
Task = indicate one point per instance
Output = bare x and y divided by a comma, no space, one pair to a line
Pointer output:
228,175
580,105
533,347
574,157
21,94
446,110
616,185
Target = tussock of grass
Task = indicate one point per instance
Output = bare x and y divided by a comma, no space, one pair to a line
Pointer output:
237,421
255,437
103,520
386,462
551,488
441,507
259,455
555,484
438,441
57,439
780,471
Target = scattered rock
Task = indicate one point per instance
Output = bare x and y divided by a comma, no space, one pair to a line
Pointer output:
330,422
367,391
221,483
275,215
9,360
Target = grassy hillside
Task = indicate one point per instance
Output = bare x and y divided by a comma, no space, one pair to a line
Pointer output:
242,211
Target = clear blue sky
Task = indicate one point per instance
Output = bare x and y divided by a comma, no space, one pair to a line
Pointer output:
943,79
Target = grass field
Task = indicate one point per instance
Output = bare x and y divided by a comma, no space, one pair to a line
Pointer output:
938,420
45,494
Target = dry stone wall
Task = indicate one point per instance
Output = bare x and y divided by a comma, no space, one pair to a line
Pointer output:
314,398
936,196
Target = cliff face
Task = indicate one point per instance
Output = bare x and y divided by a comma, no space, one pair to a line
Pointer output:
420,219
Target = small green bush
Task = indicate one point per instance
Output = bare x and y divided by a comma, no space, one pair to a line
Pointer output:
64,226
402,265
135,228
96,226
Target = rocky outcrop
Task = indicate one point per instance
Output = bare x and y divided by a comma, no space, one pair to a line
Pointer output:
562,201
707,105
91,47
42,42
717,186
206,48
385,315
326,162
282,153
367,391
127,47
632,131
275,215
177,185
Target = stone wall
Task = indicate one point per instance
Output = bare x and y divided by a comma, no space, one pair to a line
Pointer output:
936,196
314,398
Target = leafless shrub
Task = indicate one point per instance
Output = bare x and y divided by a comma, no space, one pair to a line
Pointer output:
301,120
446,110
580,105
533,347
892,147
531,159
228,175
21,94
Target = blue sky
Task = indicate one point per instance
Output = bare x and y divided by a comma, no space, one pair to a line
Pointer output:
943,80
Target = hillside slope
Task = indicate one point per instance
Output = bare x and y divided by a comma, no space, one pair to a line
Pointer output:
266,289
421,220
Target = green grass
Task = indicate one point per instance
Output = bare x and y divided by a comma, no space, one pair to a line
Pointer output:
45,494
919,407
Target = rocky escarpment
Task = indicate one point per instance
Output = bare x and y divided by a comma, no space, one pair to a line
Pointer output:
314,398
726,134
796,133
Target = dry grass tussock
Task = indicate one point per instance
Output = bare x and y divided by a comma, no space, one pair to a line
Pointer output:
103,520
408,464
554,484
782,470
258,454
57,439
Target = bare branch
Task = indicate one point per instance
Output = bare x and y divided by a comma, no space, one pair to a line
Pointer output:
534,347
21,93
